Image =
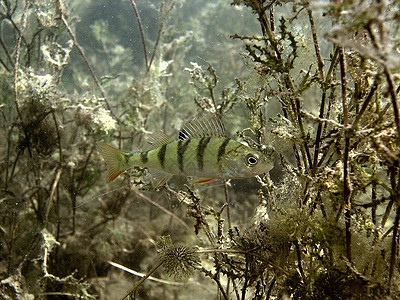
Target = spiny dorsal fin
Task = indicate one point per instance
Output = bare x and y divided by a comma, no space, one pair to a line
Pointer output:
202,127
157,139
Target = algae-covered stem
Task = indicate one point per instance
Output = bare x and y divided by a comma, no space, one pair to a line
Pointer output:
395,187
394,195
16,68
296,105
82,53
324,86
346,179
395,192
228,204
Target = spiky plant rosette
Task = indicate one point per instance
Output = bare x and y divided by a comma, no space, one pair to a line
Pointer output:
178,261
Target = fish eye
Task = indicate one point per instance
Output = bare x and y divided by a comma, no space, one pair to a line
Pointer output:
251,160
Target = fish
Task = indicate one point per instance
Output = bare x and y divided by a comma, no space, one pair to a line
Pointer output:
202,151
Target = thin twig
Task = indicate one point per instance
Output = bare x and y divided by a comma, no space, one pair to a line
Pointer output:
141,34
216,279
162,208
82,53
344,86
6,51
130,271
346,177
322,120
50,200
395,245
239,251
324,87
132,290
16,69
267,30
246,271
365,104
393,97
316,46
228,204
160,30
394,170
5,66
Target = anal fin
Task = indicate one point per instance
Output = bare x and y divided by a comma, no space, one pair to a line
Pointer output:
159,178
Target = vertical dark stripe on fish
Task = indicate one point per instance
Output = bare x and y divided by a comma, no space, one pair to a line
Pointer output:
161,155
182,147
221,149
201,147
143,157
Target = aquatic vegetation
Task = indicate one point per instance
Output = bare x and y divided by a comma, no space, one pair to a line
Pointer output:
313,84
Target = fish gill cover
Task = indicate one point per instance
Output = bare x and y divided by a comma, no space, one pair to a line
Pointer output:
314,84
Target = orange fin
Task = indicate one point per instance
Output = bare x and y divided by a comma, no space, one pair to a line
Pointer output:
116,160
208,180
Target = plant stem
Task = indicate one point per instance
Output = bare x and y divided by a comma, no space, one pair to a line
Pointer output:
346,177
82,53
141,34
394,99
343,85
162,208
160,31
324,86
395,245
394,195
228,204
365,104
131,291
16,69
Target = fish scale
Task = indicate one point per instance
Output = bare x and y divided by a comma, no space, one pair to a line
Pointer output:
202,151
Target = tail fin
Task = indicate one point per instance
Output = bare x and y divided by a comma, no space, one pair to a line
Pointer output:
116,160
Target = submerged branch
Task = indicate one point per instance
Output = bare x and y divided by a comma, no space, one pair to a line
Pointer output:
16,70
393,98
129,294
162,208
141,34
346,176
82,53
395,245
123,268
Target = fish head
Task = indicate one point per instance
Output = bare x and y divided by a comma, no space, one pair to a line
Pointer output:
246,162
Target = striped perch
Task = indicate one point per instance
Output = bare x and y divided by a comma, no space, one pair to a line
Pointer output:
202,151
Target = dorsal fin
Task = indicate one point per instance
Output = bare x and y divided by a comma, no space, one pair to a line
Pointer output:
157,139
202,127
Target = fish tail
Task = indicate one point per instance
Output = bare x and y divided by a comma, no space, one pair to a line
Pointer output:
116,160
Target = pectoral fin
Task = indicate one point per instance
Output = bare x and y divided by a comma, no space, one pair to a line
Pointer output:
204,180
